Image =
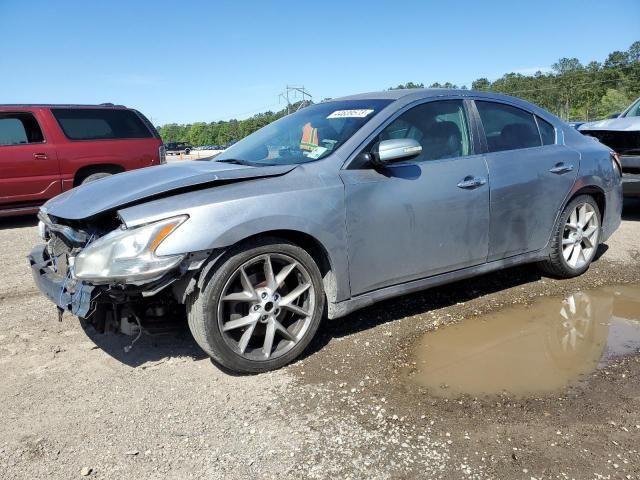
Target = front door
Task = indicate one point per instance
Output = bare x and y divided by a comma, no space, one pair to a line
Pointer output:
421,217
29,172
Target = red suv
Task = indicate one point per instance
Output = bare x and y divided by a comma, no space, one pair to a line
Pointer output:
48,149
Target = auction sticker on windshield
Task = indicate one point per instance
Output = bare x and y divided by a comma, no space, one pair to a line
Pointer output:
316,152
361,113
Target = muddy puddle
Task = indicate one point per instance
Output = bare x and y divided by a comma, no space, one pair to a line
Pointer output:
529,350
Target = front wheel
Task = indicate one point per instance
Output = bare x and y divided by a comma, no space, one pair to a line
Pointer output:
575,239
260,308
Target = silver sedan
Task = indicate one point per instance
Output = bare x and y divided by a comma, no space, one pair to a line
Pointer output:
330,209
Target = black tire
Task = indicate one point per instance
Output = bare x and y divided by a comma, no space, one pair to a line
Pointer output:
202,306
95,176
187,151
556,265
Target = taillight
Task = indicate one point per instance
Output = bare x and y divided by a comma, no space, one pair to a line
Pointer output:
617,164
162,154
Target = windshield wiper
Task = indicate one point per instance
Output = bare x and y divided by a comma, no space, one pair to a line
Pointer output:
236,161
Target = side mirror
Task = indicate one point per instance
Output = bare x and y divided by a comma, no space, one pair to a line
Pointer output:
615,115
388,151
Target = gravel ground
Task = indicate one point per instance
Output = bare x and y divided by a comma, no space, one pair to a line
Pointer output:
75,404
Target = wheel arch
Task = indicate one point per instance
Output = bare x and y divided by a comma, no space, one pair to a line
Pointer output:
594,191
315,248
308,242
85,171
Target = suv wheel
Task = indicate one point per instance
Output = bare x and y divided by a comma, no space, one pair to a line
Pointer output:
260,308
575,239
95,176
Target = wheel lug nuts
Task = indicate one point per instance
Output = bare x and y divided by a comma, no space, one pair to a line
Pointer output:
256,307
264,295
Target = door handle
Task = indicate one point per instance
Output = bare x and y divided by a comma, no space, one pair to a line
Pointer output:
561,168
40,156
472,182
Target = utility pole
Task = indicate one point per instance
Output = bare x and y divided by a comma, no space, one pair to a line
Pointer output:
292,92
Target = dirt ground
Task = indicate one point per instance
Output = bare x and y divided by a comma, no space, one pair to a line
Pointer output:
74,403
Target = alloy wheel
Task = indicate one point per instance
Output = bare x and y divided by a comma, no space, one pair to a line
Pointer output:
580,236
266,306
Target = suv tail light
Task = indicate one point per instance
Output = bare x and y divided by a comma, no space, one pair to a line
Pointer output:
617,164
162,154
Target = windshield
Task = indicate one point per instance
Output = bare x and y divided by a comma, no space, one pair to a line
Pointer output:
305,136
633,110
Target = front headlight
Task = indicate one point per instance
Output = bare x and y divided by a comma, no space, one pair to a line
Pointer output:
128,255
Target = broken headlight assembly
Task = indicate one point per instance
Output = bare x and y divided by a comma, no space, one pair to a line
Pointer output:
128,255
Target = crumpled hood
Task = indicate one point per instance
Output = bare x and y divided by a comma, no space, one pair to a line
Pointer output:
625,124
132,187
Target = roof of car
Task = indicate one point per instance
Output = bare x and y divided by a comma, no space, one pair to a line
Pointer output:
418,93
60,105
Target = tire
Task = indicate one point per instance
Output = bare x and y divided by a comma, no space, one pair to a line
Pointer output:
212,310
187,151
557,264
95,176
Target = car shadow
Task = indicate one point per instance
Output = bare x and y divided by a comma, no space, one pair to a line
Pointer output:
23,221
427,300
152,350
422,302
148,350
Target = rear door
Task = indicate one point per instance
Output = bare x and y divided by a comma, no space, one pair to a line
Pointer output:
530,176
29,172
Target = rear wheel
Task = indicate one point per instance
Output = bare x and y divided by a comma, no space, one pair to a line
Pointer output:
95,176
575,239
260,308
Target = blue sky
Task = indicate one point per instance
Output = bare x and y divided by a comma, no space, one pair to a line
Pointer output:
214,60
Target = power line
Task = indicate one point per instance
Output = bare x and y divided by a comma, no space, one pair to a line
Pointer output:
293,91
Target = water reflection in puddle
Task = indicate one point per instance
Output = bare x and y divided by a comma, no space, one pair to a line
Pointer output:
527,350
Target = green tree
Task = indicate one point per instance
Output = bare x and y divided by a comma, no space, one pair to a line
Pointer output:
481,84
408,85
613,101
617,59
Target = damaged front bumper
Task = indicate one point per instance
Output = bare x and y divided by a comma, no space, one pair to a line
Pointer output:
73,296
630,175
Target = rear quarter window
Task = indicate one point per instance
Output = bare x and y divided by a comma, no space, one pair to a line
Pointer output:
547,132
100,124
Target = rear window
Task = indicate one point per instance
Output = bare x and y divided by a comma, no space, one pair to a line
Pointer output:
507,127
100,124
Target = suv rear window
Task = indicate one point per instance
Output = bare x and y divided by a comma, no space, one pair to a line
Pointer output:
100,124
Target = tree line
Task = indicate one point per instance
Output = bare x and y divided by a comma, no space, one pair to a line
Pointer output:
570,90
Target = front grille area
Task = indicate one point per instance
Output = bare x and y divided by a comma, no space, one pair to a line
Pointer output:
59,251
625,143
